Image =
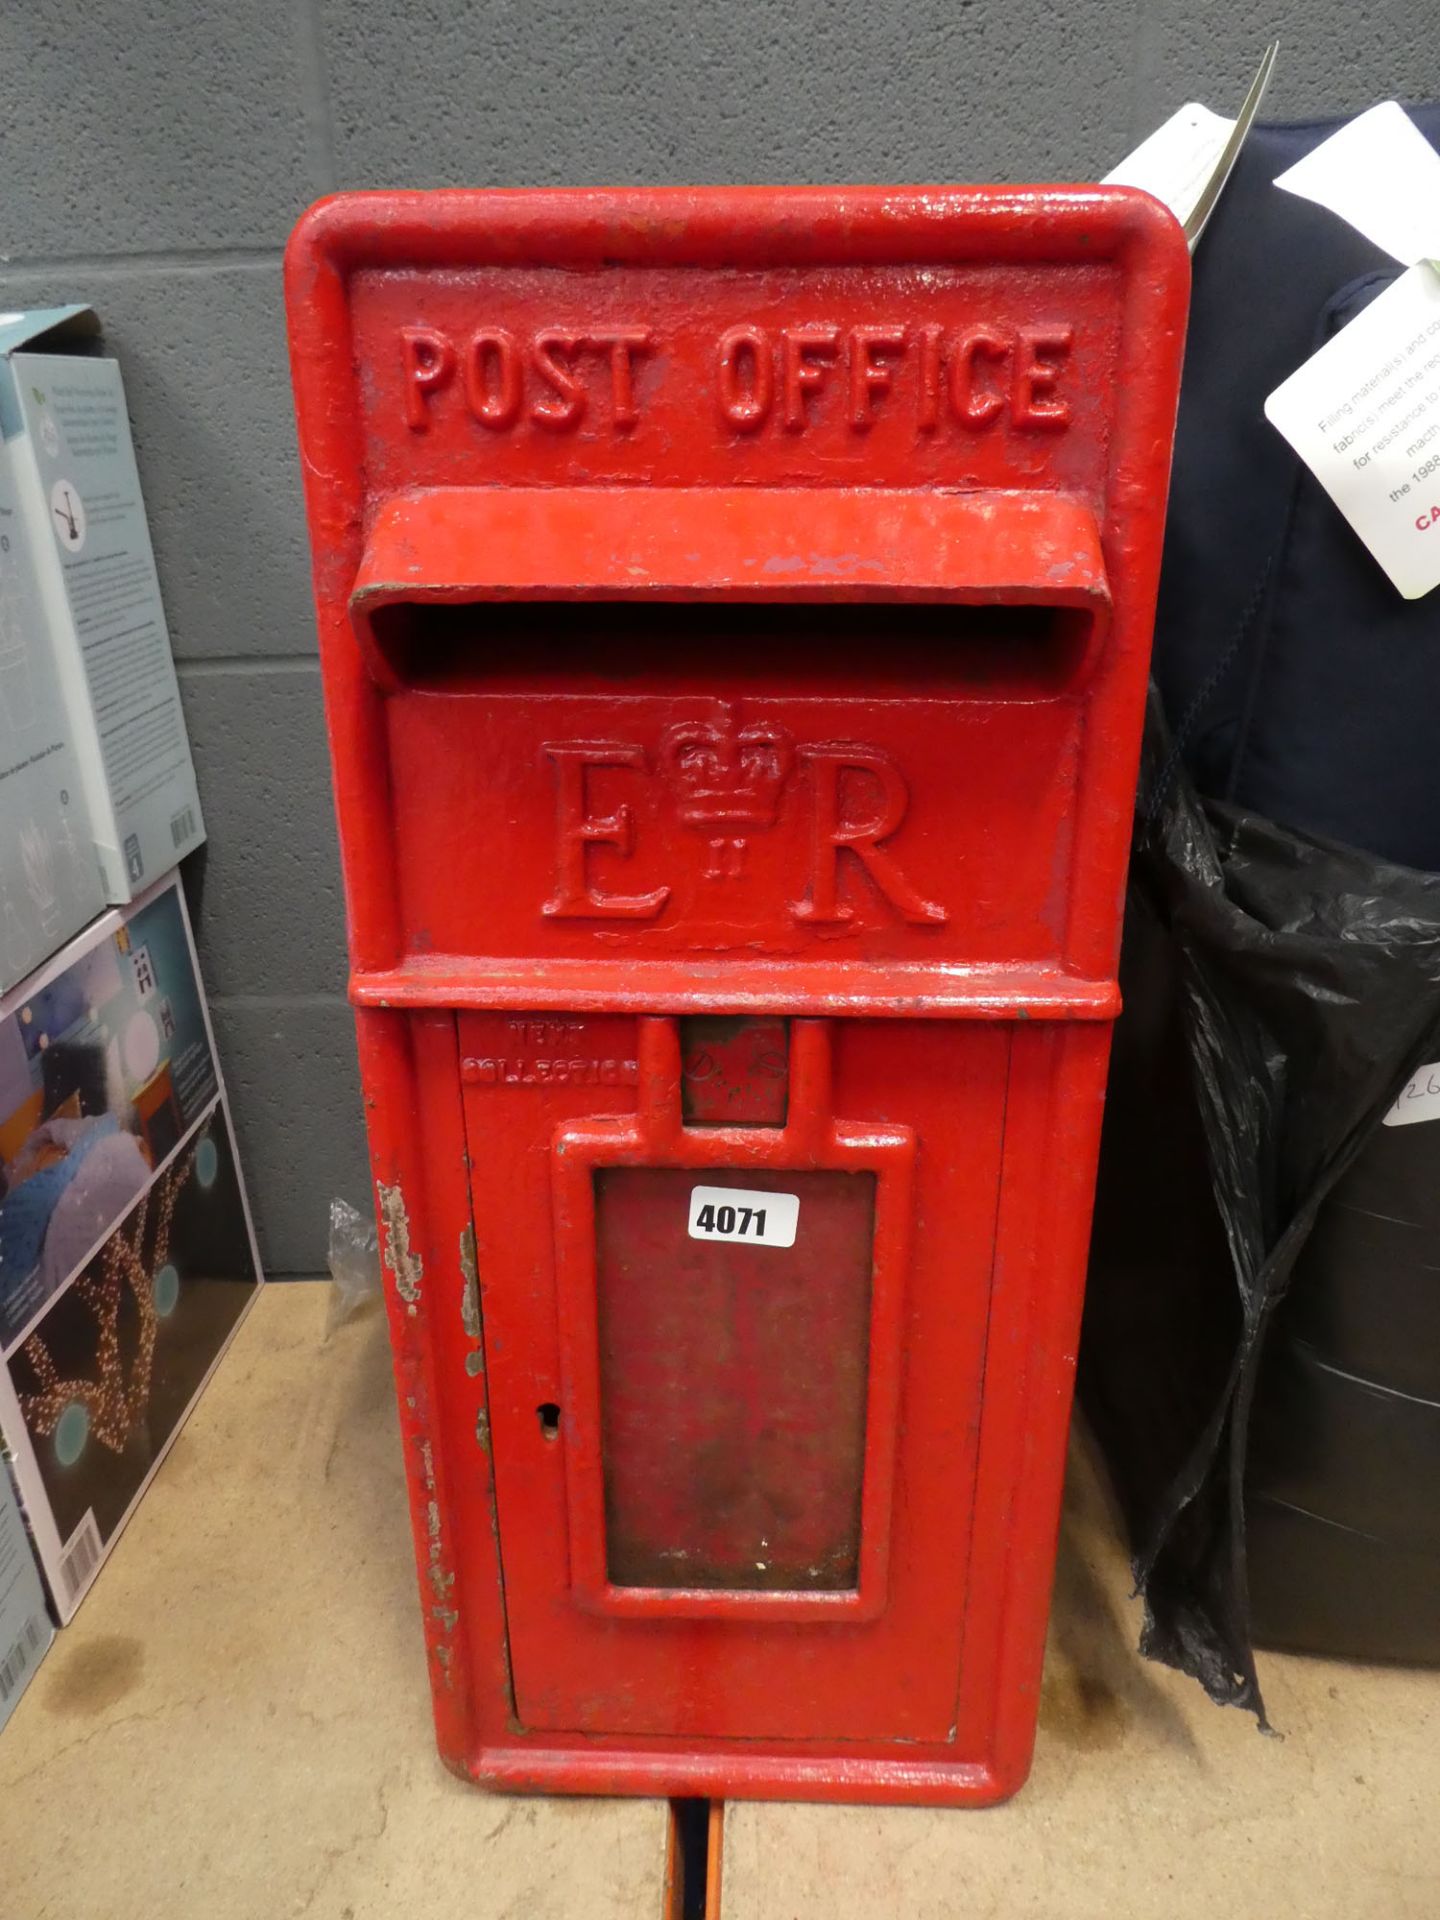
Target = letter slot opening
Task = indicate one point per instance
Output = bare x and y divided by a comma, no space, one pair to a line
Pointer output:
997,595
989,652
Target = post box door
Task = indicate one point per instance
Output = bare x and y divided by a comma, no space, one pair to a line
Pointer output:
734,1473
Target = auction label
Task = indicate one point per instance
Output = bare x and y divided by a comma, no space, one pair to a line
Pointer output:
742,1214
1364,415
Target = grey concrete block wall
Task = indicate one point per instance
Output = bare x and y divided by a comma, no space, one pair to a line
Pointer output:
157,154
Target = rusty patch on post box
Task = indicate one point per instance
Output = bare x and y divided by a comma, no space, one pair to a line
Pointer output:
470,1283
403,1262
470,1300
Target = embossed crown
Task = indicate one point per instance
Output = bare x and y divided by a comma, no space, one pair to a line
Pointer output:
727,778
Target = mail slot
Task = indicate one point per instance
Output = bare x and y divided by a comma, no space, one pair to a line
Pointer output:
734,615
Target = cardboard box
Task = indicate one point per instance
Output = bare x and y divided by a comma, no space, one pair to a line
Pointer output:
25,1628
127,1256
49,879
72,472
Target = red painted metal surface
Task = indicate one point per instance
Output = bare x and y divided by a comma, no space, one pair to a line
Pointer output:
734,614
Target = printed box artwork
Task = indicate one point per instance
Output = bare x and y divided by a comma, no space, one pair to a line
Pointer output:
25,1629
80,521
127,1256
49,878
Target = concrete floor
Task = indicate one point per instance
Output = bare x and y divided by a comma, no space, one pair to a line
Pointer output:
1146,1802
236,1727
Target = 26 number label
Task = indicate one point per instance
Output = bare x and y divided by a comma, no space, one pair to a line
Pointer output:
733,1213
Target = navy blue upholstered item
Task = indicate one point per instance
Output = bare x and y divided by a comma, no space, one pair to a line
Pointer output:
1296,680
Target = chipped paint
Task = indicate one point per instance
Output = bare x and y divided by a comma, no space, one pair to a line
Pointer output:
402,1260
470,1300
482,1430
436,1572
469,1283
441,1579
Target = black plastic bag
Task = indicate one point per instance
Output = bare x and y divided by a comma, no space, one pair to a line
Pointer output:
1279,989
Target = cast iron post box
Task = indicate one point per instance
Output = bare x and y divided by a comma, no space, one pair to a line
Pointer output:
735,610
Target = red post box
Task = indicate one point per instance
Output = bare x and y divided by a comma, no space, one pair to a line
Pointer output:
735,610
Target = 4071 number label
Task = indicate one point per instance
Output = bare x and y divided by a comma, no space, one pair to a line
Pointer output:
743,1215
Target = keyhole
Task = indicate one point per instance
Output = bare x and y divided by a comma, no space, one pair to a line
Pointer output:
549,1416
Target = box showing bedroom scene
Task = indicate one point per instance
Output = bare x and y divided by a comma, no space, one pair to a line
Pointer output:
127,1253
